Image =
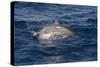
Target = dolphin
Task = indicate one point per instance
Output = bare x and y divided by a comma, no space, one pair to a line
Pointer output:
53,32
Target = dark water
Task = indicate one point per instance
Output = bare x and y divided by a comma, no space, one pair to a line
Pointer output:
29,50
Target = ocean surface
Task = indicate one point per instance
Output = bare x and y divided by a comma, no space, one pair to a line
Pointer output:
30,17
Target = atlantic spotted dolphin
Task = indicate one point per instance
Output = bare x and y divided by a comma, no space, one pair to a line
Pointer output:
53,32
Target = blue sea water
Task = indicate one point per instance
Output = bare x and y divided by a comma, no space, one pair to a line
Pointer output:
29,50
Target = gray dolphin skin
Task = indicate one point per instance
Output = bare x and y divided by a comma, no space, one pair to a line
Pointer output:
53,32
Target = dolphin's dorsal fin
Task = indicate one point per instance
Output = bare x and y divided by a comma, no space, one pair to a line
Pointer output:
56,22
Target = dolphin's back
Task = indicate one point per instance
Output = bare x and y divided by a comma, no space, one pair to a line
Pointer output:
54,31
